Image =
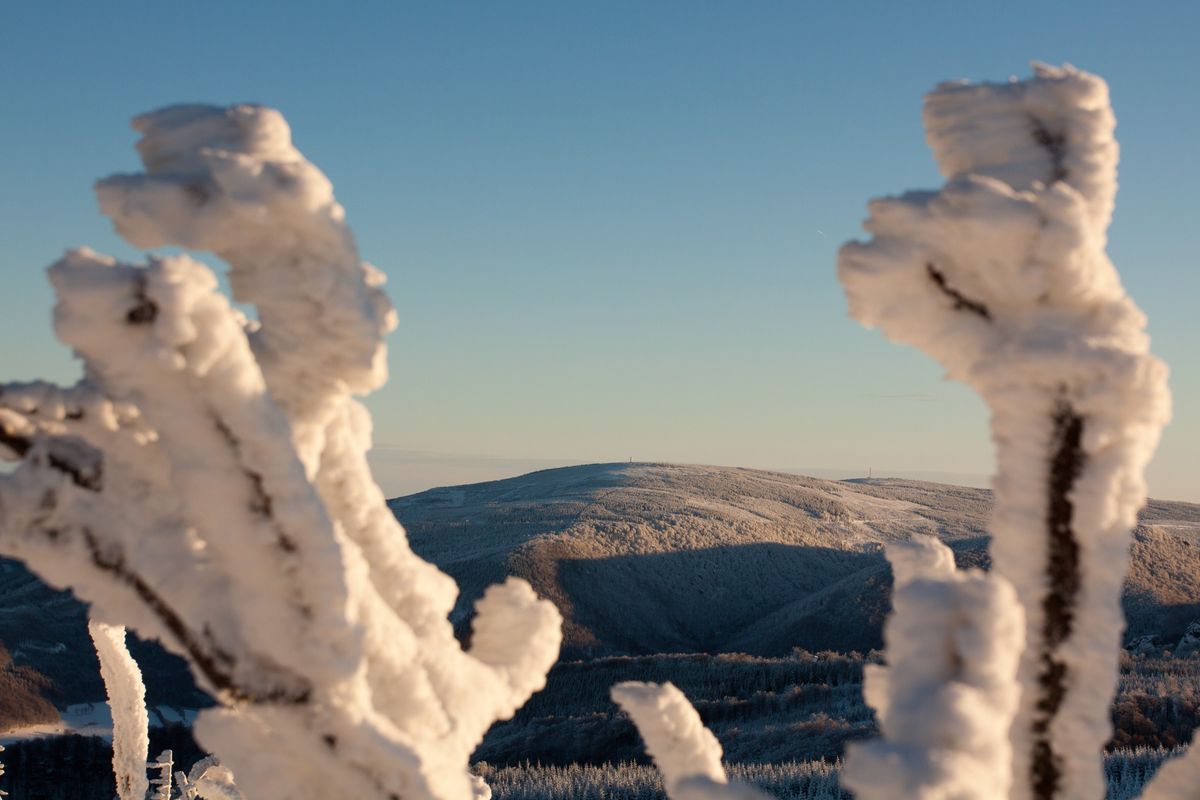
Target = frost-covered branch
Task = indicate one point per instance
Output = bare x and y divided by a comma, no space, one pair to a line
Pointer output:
206,483
1002,277
686,753
165,765
267,539
207,780
946,699
127,702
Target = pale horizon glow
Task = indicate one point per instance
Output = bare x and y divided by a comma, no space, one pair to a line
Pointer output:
403,472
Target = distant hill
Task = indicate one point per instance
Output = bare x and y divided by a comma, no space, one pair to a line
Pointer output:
642,559
654,558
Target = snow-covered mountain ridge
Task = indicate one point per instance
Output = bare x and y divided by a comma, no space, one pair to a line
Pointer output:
643,558
651,558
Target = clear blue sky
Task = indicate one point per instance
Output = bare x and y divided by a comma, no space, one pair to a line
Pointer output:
610,228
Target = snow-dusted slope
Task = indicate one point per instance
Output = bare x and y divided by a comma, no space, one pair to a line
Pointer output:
652,558
646,558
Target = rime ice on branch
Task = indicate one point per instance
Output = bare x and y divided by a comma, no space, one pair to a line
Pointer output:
946,700
207,780
206,482
1002,277
127,702
685,752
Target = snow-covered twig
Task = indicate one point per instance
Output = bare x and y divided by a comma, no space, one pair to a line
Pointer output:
127,702
165,766
207,780
214,492
685,752
1002,277
946,699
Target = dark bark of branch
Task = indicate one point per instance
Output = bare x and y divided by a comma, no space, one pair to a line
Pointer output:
1058,606
1062,551
1056,145
261,503
215,664
90,477
144,310
961,301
